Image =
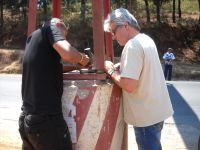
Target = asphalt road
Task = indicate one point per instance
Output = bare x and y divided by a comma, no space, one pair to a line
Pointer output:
185,97
10,98
10,103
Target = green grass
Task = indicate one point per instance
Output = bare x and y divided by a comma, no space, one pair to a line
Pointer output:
190,6
189,10
187,6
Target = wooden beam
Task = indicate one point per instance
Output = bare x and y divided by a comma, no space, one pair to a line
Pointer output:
32,13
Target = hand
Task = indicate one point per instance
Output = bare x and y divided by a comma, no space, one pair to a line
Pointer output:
117,66
108,65
85,60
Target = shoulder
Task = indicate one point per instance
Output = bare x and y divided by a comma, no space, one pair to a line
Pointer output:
135,41
54,34
133,45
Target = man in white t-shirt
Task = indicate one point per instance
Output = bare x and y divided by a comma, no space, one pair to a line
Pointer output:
145,97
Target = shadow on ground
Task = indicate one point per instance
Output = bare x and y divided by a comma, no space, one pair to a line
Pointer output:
186,120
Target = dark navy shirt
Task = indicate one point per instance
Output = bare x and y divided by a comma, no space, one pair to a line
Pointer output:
168,57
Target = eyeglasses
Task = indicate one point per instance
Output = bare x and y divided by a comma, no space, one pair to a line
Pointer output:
113,32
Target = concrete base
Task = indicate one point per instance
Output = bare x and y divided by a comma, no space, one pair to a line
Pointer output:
93,112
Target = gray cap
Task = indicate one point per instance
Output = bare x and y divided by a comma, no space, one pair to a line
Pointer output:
58,23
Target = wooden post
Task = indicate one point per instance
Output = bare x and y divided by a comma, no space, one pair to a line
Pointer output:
32,16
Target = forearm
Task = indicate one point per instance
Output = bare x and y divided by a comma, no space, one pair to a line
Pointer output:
115,76
129,85
126,84
69,53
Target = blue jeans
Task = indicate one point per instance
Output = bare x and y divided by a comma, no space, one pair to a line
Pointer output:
168,72
148,138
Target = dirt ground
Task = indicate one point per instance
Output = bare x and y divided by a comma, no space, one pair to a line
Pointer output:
11,139
11,61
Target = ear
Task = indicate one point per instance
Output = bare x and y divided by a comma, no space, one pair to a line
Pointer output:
126,25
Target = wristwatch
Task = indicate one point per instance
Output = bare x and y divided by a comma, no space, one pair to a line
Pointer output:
111,71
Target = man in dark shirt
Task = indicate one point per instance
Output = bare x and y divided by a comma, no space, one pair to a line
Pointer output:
168,58
41,124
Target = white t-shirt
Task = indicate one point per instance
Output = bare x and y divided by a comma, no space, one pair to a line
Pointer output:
150,103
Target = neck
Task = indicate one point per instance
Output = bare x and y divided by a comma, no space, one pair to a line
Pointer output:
133,32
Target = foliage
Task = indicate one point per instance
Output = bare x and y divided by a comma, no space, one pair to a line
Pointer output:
80,34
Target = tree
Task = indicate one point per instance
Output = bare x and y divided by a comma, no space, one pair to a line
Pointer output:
130,8
126,4
199,10
1,11
135,7
118,3
147,10
9,3
173,12
83,8
45,9
22,5
158,3
43,4
67,3
179,8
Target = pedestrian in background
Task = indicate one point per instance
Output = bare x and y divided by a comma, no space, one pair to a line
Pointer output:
41,123
168,58
146,100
